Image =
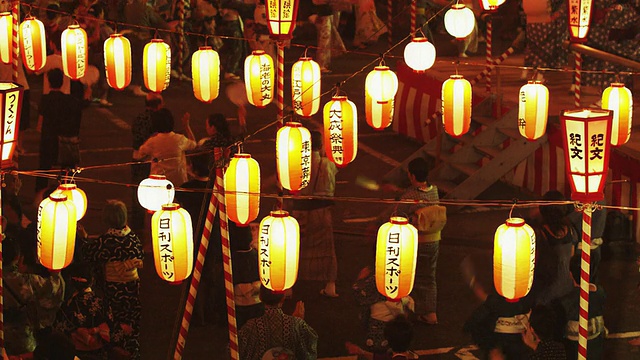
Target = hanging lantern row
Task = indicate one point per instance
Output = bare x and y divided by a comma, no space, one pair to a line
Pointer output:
459,21
205,67
456,105
420,54
259,75
293,156
32,44
155,191
242,189
75,51
305,87
533,110
156,65
340,130
278,249
514,259
396,254
56,231
117,61
172,234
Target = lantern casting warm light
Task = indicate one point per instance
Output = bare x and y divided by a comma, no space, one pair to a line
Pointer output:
155,191
172,235
259,77
420,54
56,231
10,108
459,21
579,19
76,196
33,44
242,189
281,16
533,110
278,249
293,156
205,68
378,116
491,5
396,253
156,65
514,258
74,51
6,37
619,99
587,146
340,130
117,61
456,105
381,84
305,87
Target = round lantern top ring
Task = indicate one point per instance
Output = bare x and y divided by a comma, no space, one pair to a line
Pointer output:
399,220
294,124
171,206
279,213
67,186
242,156
57,197
515,222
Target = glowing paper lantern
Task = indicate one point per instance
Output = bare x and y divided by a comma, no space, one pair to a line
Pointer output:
579,19
117,61
281,17
33,46
259,77
456,105
459,21
340,130
381,84
396,254
156,65
56,231
278,249
293,156
491,5
242,189
514,258
172,235
10,108
76,196
587,145
533,110
618,98
420,54
378,116
74,51
6,37
155,191
205,68
305,87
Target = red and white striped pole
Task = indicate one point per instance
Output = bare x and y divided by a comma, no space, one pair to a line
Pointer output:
15,15
180,29
489,52
583,320
280,90
577,80
413,16
389,22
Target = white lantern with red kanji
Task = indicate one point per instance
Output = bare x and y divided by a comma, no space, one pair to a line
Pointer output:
619,99
305,87
281,18
456,105
75,51
10,108
6,37
155,191
117,61
459,21
396,255
514,259
205,68
75,195
420,54
33,45
293,156
156,65
579,12
259,77
242,189
172,235
278,251
56,234
533,110
340,130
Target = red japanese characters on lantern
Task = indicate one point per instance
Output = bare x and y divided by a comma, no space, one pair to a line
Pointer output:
10,108
396,254
74,51
340,130
117,61
281,17
259,77
33,44
172,234
305,87
293,156
579,19
278,249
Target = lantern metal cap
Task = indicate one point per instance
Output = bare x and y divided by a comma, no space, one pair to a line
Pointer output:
67,186
419,39
73,26
279,213
534,82
381,68
456,77
5,13
157,41
458,6
206,47
305,58
57,197
293,124
617,85
339,97
258,52
515,222
115,35
399,220
242,156
157,177
171,206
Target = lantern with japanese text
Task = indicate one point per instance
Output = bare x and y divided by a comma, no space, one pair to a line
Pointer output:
579,19
259,77
156,65
293,156
10,108
396,254
56,231
74,51
242,189
491,5
533,110
33,45
155,191
459,21
340,130
514,259
619,99
172,235
420,54
456,105
117,61
381,84
205,66
378,116
281,16
587,144
76,196
6,37
305,87
278,251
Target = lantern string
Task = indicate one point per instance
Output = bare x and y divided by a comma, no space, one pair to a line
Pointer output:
515,202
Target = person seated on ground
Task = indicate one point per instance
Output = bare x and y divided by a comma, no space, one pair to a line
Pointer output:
398,333
539,335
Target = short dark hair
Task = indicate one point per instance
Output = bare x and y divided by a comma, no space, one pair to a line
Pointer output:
543,322
316,140
399,333
114,214
270,298
55,77
419,168
219,121
162,121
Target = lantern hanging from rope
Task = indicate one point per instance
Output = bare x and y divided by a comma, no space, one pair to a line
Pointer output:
619,99
74,51
378,116
6,37
76,196
533,110
340,130
117,61
459,21
172,234
259,77
242,189
205,66
456,105
281,16
156,65
155,191
396,254
420,54
381,84
293,156
305,87
579,19
56,231
278,249
33,45
514,259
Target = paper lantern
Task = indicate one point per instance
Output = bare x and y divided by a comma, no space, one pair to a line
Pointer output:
56,232
259,77
378,116
456,105
156,65
117,61
490,5
278,251
293,156
155,191
533,110
33,45
74,51
172,235
205,68
281,17
6,37
396,254
420,54
10,108
579,19
619,99
305,87
459,21
587,145
76,196
514,259
340,130
381,84
242,189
